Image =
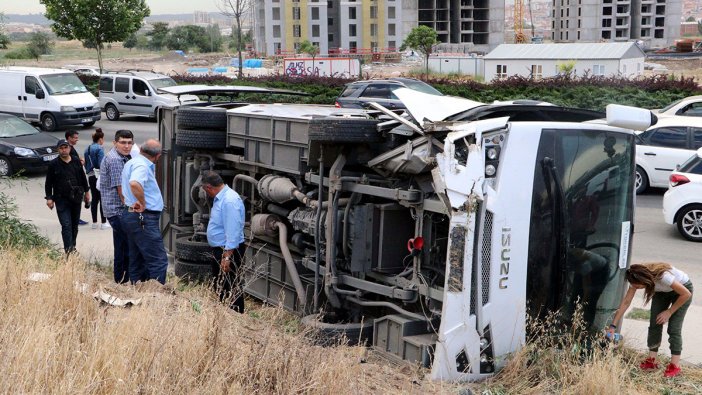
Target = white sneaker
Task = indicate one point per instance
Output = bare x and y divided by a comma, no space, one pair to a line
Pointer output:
94,225
105,226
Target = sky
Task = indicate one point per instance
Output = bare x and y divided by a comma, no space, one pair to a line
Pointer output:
156,6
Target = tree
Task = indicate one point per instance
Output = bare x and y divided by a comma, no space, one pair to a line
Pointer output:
159,35
421,39
96,22
233,40
142,41
4,39
310,49
236,9
130,42
567,68
214,38
39,44
188,36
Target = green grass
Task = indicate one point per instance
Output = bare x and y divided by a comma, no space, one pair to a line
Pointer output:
639,314
74,50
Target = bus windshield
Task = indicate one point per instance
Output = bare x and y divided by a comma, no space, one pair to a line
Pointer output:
581,214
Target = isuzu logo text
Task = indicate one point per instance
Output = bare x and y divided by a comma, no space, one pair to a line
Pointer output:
504,257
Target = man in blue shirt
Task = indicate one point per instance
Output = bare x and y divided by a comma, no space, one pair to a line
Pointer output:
225,233
143,201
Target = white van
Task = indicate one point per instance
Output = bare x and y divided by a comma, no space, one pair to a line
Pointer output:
52,97
137,92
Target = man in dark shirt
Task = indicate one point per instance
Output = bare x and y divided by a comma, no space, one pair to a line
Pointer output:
72,138
65,188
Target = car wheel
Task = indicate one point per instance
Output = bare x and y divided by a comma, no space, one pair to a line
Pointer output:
689,222
344,130
5,167
48,122
211,118
111,112
191,250
202,139
641,180
197,272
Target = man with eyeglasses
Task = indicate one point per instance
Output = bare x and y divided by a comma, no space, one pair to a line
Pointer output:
113,201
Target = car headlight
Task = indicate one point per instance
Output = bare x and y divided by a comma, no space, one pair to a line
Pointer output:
67,109
21,151
96,107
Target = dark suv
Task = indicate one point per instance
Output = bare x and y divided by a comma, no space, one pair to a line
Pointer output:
358,94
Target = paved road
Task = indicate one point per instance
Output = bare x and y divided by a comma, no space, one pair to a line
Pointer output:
654,240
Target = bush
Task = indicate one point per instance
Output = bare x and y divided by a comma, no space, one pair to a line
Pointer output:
19,53
13,232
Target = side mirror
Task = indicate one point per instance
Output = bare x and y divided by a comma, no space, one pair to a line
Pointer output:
40,94
147,93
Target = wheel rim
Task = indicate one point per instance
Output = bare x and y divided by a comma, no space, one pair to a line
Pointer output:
48,123
639,180
110,112
692,223
4,167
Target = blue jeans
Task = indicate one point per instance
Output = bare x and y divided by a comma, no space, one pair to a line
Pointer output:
147,255
121,247
68,215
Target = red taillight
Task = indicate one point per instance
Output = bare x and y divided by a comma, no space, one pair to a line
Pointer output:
678,179
337,105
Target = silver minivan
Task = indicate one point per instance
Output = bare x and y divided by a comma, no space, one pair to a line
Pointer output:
137,92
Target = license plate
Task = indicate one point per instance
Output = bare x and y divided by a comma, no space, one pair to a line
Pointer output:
86,120
50,157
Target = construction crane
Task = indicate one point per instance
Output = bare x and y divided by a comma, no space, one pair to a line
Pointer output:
519,36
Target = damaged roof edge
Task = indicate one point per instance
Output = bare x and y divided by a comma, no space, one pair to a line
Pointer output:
425,107
225,90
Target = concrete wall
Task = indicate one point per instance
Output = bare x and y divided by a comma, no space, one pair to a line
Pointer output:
466,65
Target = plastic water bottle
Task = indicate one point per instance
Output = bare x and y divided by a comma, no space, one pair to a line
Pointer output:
616,337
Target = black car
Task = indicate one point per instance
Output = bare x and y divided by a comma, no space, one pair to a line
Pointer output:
22,147
358,94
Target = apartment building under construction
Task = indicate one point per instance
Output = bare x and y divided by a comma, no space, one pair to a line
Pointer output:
371,26
655,22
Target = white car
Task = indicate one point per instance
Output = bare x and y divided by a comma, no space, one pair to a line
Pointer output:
688,107
662,147
682,203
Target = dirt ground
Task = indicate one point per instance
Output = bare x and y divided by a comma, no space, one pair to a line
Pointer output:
173,64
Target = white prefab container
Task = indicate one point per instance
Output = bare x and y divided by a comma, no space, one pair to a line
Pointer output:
466,65
52,97
327,67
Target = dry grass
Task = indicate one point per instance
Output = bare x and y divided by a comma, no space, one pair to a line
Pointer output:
56,339
556,363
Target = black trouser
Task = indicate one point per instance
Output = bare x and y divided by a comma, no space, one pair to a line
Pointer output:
68,214
92,180
228,284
